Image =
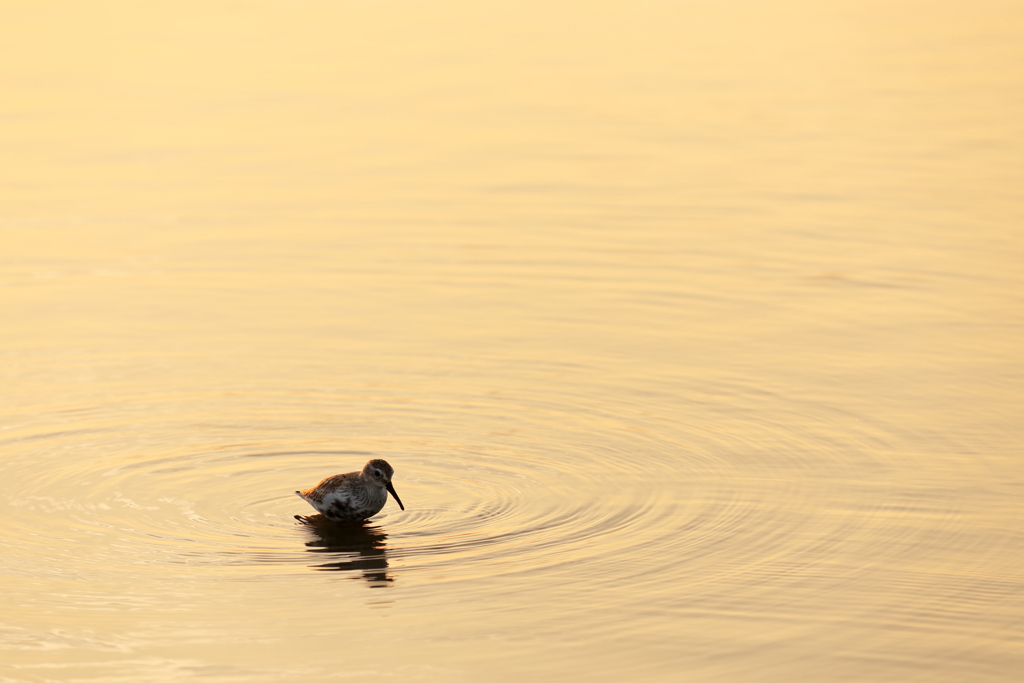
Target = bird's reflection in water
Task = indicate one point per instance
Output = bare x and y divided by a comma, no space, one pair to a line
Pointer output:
362,545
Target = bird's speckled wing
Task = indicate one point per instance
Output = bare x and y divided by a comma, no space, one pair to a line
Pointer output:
328,485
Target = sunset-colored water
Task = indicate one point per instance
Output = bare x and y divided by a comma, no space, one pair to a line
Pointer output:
693,331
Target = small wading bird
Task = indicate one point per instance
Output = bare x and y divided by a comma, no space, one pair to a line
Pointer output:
355,496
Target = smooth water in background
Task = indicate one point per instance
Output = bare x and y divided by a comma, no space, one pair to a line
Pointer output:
693,331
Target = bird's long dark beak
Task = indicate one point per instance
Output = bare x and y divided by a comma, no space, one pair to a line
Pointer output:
391,490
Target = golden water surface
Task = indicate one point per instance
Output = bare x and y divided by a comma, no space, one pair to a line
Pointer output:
693,331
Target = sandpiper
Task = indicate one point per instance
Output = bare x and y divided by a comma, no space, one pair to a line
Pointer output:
355,496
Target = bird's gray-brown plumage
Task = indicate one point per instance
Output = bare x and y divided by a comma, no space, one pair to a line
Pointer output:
355,496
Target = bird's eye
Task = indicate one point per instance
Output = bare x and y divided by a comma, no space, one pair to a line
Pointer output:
376,473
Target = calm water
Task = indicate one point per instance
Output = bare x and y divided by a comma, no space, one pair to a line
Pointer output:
693,331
